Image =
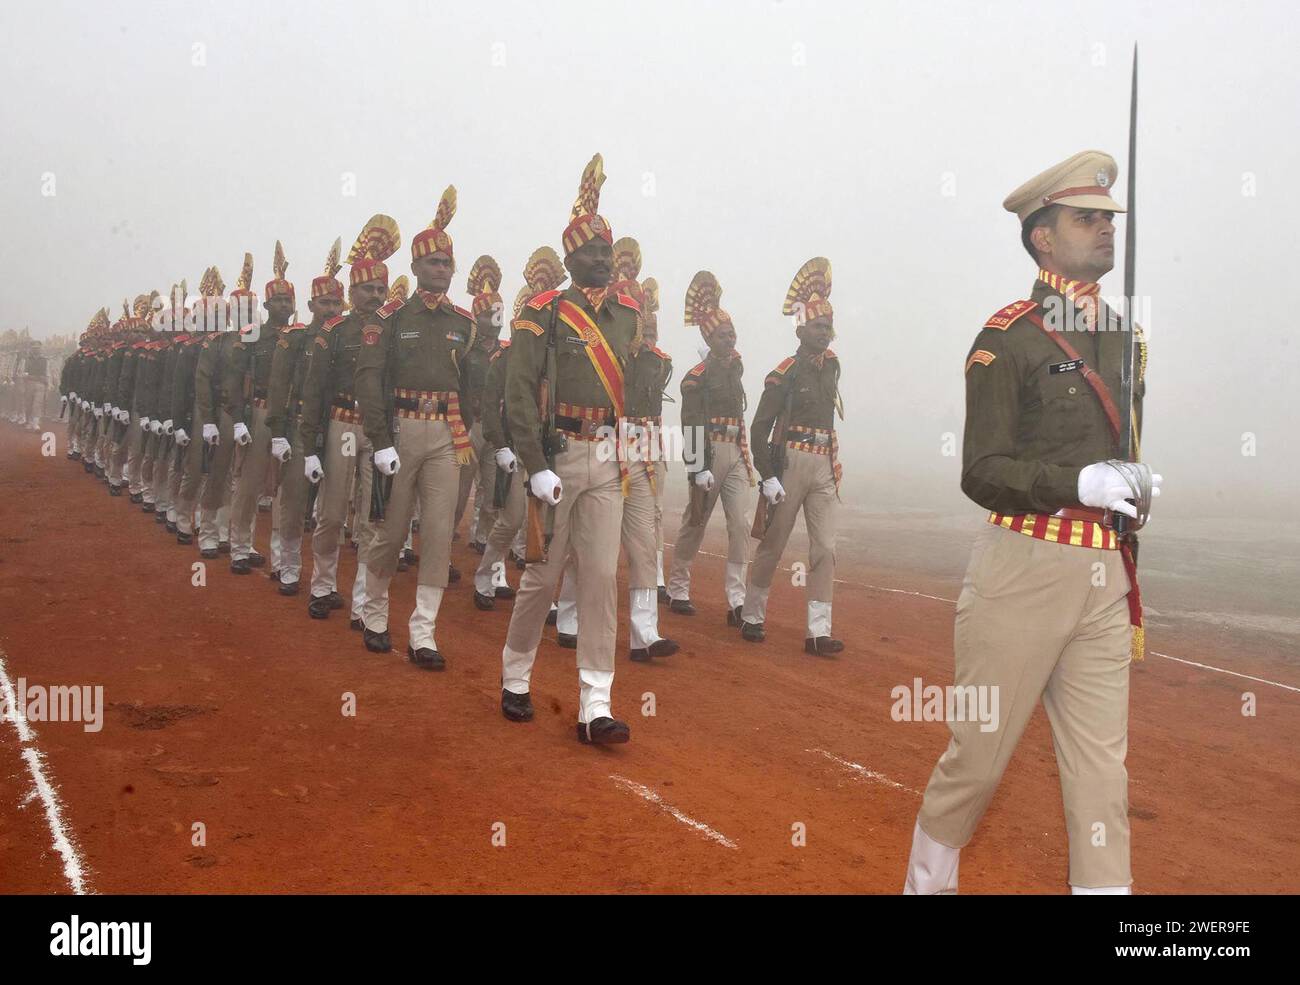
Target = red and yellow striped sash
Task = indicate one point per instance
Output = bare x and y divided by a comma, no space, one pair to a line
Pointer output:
1058,530
603,361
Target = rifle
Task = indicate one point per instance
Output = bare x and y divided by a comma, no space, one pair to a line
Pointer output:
501,488
381,485
541,526
776,449
697,498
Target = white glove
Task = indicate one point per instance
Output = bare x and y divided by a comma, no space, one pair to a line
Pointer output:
99,412
1102,486
311,468
387,462
211,435
546,486
704,480
156,426
72,395
85,405
107,407
773,490
144,424
123,415
242,437
64,400
182,438
167,427
506,459
280,449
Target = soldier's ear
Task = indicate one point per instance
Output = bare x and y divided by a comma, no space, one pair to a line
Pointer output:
1041,238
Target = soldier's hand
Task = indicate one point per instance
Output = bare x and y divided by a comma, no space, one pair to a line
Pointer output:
546,486
280,449
211,435
63,401
182,438
387,462
311,468
99,412
72,395
242,437
156,426
144,424
704,480
107,407
167,427
1101,486
773,490
506,459
123,415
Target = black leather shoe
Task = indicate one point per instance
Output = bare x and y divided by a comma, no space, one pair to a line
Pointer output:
182,538
75,456
504,592
88,466
753,632
137,498
683,607
484,602
402,564
336,600
208,552
453,575
223,546
603,732
356,624
114,490
274,576
659,648
147,507
425,658
319,607
516,707
664,597
255,559
567,640
733,616
551,617
160,516
288,588
822,646
240,566
377,642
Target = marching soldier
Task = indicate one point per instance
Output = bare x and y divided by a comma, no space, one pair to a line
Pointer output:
1034,618
570,348
487,308
331,422
285,401
188,411
412,369
35,384
544,271
796,452
245,388
713,414
163,426
115,418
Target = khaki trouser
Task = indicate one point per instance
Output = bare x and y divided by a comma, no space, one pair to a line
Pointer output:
428,474
731,485
135,451
34,401
491,573
332,505
640,532
119,448
485,514
588,524
809,485
290,511
1035,619
214,494
254,460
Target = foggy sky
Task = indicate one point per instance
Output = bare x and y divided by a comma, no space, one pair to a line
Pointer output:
739,137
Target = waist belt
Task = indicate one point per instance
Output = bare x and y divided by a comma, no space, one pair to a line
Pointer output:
260,393
583,423
1076,527
421,405
344,402
259,402
348,414
725,429
815,440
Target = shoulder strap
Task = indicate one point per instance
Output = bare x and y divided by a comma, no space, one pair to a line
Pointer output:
1091,375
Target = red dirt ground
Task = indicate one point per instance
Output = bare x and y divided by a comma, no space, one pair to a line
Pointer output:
224,707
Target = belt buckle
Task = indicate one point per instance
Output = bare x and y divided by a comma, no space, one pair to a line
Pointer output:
821,440
426,405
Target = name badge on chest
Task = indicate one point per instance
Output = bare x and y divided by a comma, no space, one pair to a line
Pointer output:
575,340
407,336
1065,367
456,337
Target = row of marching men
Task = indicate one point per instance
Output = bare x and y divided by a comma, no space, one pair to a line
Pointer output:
24,383
400,405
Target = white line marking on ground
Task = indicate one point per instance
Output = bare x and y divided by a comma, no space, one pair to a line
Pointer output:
73,870
646,793
863,771
940,598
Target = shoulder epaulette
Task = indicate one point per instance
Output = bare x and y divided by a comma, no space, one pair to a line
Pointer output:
524,325
394,305
661,354
627,301
830,354
461,311
698,370
783,366
1002,320
330,325
539,301
295,327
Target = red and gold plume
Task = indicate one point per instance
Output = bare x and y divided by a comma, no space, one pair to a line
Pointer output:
704,304
809,296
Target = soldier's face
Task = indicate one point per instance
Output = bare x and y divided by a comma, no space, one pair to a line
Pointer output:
279,308
816,334
592,264
367,297
325,307
1081,245
723,339
433,272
